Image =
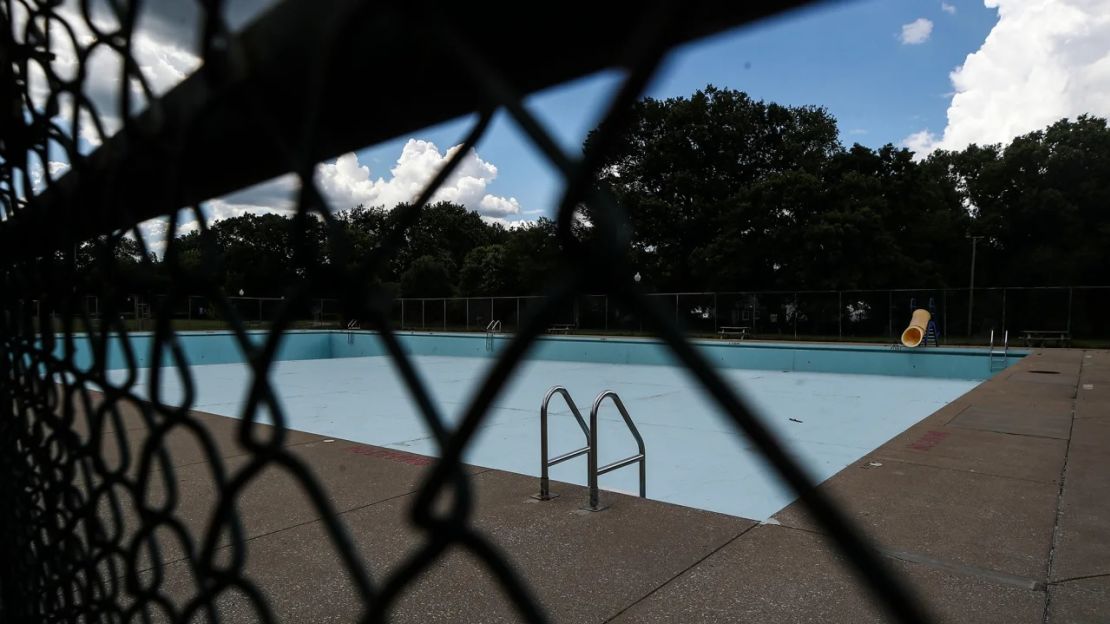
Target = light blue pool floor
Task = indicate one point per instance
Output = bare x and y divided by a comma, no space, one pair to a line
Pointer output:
695,456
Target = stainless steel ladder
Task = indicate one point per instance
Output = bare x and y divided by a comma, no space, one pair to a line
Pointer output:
494,327
593,503
590,431
998,358
545,463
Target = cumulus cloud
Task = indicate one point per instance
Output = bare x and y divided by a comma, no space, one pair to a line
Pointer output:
164,48
920,143
917,31
1041,62
163,57
163,45
348,183
947,8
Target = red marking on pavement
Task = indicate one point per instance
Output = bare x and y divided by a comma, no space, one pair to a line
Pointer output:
397,456
929,440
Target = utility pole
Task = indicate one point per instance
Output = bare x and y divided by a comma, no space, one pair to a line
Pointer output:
971,288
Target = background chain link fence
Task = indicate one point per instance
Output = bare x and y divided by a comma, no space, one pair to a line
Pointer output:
84,531
829,315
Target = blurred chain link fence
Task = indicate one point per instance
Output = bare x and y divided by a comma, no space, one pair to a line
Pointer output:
89,514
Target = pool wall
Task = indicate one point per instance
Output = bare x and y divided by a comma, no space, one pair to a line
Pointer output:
200,348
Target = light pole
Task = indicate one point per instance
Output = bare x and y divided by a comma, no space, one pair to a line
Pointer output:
971,288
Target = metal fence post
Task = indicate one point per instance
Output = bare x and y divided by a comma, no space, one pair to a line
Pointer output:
944,304
840,314
795,316
402,314
518,312
714,313
970,303
445,315
1070,289
890,314
1003,309
467,324
422,306
607,313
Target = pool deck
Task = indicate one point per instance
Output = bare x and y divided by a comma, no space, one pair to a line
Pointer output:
995,509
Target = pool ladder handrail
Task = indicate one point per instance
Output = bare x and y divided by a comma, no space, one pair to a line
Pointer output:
1002,354
352,325
494,327
545,463
593,503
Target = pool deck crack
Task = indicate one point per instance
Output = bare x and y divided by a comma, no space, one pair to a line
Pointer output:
1050,565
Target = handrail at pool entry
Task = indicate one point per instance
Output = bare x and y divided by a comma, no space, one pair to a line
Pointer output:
595,472
492,328
1003,354
545,463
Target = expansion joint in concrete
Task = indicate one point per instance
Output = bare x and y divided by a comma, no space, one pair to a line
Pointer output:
1050,566
680,573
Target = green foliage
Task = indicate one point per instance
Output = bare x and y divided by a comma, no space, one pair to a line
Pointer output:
1042,202
484,272
428,276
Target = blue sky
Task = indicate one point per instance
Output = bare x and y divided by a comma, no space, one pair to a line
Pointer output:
928,74
845,56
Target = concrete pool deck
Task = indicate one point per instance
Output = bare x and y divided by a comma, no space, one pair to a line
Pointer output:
996,508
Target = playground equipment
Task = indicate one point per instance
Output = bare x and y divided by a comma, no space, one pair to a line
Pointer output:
919,324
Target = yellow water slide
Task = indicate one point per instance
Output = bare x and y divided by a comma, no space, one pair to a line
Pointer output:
915,333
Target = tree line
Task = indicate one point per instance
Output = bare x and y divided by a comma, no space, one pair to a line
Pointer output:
726,193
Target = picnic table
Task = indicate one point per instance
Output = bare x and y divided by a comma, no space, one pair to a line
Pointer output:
1040,337
733,331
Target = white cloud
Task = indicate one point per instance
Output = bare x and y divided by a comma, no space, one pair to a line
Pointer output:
921,143
947,8
162,58
1041,62
38,180
509,225
348,183
493,205
917,31
162,48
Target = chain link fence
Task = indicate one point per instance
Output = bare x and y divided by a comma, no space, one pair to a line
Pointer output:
276,98
832,315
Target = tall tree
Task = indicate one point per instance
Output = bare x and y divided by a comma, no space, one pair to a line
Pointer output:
1041,202
683,170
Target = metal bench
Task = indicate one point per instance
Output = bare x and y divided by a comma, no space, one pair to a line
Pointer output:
729,331
561,328
1041,337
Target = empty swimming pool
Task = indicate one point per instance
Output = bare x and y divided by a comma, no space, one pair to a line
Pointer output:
829,405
